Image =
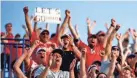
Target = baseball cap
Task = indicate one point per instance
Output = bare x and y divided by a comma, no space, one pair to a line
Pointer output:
64,36
39,50
58,51
131,56
45,31
92,36
115,47
101,33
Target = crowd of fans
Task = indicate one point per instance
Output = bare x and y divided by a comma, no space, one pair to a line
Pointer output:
66,55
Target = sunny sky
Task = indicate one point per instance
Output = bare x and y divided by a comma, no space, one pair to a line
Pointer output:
124,12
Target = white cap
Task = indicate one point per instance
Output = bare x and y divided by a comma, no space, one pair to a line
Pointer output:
40,50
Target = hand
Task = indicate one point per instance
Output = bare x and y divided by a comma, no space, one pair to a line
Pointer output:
72,65
35,19
117,27
47,26
88,21
113,22
37,42
102,53
50,60
106,25
84,50
67,12
119,37
26,10
53,45
23,26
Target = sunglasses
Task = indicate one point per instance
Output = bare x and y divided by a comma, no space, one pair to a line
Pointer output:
116,49
102,35
44,33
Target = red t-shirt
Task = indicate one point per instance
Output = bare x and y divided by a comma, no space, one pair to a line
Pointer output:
34,37
8,48
16,53
91,55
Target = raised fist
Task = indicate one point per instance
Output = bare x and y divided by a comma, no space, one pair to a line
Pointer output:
117,26
25,9
113,22
67,12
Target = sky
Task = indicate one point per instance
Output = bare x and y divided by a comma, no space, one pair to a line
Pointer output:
125,13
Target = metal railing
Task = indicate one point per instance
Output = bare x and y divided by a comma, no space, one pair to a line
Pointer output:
7,72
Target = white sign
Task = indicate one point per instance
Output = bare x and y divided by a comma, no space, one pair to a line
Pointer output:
48,15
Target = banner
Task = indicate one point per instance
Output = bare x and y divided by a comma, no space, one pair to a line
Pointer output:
48,15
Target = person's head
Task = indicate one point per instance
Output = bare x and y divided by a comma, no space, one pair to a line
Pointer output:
100,36
101,75
65,41
41,55
52,35
17,36
57,57
127,72
97,63
115,50
125,42
130,57
92,40
44,36
92,71
8,27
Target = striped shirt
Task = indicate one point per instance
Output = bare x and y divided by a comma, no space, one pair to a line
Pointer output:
60,74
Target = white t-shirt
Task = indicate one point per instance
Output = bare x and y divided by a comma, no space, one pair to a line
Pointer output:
60,74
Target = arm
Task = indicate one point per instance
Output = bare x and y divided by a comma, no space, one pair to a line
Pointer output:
27,20
74,48
62,28
109,43
27,59
112,66
82,64
26,30
17,64
35,24
111,28
73,32
58,28
71,69
76,29
90,25
119,38
134,36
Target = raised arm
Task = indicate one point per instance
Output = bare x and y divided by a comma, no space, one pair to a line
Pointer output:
71,69
90,25
17,64
64,24
74,48
26,30
112,66
83,73
73,32
27,20
134,36
35,24
109,42
76,29
27,59
112,26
